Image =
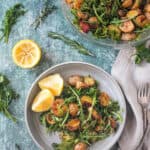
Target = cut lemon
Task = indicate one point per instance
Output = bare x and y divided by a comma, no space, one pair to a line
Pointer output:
54,83
26,54
43,101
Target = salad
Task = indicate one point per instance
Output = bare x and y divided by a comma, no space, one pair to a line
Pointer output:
114,19
80,112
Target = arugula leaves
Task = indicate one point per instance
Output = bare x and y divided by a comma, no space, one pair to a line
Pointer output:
64,145
87,133
6,97
142,54
10,19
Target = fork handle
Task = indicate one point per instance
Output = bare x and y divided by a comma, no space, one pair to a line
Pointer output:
146,131
144,137
145,117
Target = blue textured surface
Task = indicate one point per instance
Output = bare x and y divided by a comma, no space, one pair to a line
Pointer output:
54,52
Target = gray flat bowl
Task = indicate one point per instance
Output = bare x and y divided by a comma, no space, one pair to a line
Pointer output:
107,83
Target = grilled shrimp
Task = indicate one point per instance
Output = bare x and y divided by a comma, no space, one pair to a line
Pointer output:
73,124
128,36
127,26
80,146
127,3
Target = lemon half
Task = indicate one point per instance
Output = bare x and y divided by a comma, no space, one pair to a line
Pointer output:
26,54
54,83
43,101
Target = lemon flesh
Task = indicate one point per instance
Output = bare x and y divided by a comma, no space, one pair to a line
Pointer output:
26,54
43,101
54,83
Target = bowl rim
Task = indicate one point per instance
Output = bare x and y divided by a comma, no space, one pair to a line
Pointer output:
65,63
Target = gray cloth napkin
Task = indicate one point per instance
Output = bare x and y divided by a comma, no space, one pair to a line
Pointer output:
129,76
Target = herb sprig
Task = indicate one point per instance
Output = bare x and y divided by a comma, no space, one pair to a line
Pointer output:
142,54
10,19
6,97
81,49
47,9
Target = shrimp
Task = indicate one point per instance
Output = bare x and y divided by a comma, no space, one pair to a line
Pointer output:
136,4
128,36
86,100
141,20
80,85
59,108
69,1
127,26
89,81
82,15
49,119
80,146
96,115
147,14
147,8
73,124
73,109
77,4
104,99
133,13
127,3
74,79
93,20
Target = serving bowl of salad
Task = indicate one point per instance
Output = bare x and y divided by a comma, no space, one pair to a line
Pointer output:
75,106
109,22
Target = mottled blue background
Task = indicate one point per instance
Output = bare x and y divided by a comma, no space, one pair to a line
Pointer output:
54,52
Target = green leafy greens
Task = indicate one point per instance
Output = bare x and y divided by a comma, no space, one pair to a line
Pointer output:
81,49
47,9
87,132
10,20
6,97
105,18
104,11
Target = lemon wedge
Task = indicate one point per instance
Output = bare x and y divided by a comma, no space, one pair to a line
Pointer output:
54,83
43,101
26,54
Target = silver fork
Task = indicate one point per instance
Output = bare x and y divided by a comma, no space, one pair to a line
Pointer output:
144,100
142,145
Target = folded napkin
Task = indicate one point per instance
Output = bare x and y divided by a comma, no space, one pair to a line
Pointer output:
129,76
